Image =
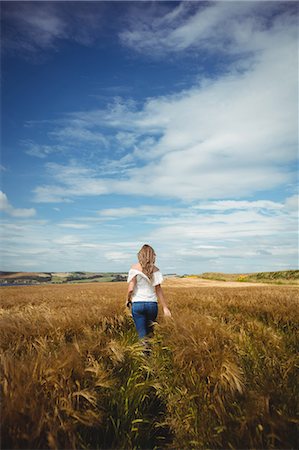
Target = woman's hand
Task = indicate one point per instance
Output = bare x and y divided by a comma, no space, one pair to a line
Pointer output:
166,312
128,307
128,303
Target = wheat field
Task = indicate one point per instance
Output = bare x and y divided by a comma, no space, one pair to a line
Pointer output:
223,372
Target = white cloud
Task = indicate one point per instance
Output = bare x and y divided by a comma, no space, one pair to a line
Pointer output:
206,243
118,256
191,26
74,180
231,240
223,139
41,151
67,239
292,203
79,134
224,205
240,224
83,249
3,201
6,207
260,235
231,136
144,210
52,194
126,139
76,226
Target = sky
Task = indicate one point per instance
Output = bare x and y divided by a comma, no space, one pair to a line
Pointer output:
168,123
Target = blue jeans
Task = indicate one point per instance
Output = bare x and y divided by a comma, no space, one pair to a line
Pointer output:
144,314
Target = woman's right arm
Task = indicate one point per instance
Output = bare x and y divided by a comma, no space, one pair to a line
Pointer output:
131,286
160,295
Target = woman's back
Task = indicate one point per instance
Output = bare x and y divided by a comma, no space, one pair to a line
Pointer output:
144,289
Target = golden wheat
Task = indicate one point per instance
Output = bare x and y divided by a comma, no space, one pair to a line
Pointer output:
222,373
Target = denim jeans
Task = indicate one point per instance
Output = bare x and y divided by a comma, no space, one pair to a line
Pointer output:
144,314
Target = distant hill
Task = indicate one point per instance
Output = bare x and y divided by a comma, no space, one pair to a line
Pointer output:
25,277
277,277
21,278
58,277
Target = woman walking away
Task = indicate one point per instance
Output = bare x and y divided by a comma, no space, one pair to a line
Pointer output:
144,290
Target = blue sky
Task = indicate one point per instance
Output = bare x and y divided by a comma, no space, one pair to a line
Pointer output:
168,123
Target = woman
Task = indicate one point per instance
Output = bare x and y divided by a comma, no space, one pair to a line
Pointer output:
144,290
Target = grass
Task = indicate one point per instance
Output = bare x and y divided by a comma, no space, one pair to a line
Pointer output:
223,372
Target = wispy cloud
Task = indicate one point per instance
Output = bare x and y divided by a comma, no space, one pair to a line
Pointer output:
229,136
292,203
213,152
6,207
224,205
41,151
76,226
74,180
144,210
191,26
245,239
79,134
242,239
55,248
119,257
32,27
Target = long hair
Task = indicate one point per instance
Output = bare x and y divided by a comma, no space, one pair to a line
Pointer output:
147,257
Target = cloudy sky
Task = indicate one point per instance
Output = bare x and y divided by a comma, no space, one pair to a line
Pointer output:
168,123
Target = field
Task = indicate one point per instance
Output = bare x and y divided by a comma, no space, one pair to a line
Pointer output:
223,372
21,278
277,277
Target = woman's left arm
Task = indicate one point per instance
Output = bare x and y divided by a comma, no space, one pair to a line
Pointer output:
160,294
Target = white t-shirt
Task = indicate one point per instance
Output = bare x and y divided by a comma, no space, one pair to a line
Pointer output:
144,289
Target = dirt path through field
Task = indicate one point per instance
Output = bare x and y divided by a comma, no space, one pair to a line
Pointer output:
202,282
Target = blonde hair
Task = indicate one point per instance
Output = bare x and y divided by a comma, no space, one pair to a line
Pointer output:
147,257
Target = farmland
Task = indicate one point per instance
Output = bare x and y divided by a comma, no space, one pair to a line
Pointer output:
222,373
277,277
34,278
